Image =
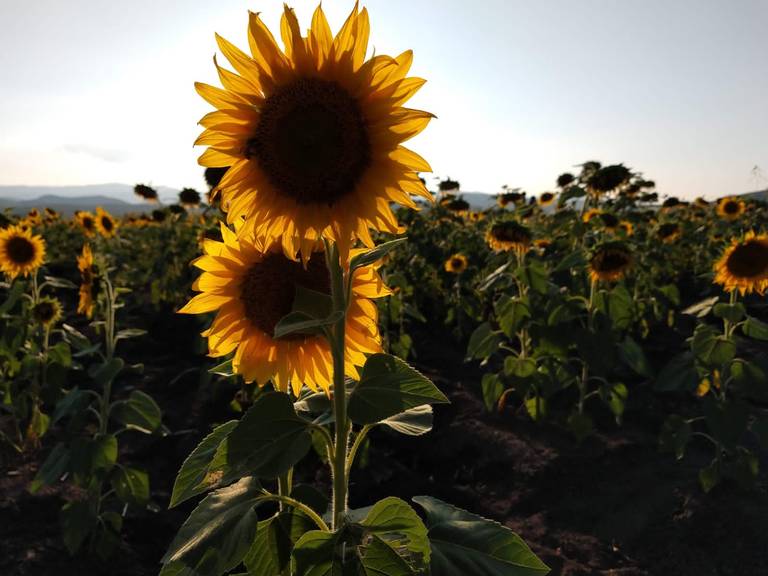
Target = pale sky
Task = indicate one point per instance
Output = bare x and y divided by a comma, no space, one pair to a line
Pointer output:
96,91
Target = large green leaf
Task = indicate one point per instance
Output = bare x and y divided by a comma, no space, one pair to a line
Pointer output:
755,328
139,412
389,386
375,254
679,374
267,441
464,544
217,535
78,518
413,422
633,356
483,342
53,468
131,485
92,455
395,522
319,553
511,313
194,476
378,558
104,373
275,537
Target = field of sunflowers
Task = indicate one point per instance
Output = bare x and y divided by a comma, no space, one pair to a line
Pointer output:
291,374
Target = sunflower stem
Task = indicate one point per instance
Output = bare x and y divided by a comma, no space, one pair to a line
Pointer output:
338,465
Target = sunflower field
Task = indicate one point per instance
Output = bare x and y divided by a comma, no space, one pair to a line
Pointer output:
322,367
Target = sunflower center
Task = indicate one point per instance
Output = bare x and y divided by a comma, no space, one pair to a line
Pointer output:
731,208
511,233
88,223
107,224
20,250
610,261
45,311
311,142
269,286
749,259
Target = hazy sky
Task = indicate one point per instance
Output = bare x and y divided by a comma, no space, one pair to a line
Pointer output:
97,91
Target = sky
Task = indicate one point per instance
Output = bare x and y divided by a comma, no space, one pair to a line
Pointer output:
97,91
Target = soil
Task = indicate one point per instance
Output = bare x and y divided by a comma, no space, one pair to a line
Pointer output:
612,505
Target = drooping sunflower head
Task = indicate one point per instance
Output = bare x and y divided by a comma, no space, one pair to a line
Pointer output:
506,198
87,222
33,217
730,208
506,235
251,288
458,206
145,192
546,198
312,134
626,228
21,252
189,197
609,221
456,264
744,265
565,179
88,281
47,311
105,223
50,213
609,261
671,202
608,178
669,232
590,214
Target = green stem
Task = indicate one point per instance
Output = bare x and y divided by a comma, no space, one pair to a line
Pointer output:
299,506
356,446
338,464
284,486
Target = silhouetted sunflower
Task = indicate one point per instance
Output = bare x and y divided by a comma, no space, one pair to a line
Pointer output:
458,206
506,235
189,197
145,192
176,209
506,198
159,216
456,264
565,179
669,232
47,311
21,252
313,134
449,185
609,221
610,261
105,224
252,288
744,265
730,208
608,178
671,202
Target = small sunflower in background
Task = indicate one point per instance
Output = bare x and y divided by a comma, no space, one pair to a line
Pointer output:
47,311
87,222
33,217
590,214
506,198
146,193
608,178
546,198
176,209
627,228
458,206
506,235
51,215
730,208
669,232
743,265
456,264
609,262
701,202
476,216
105,223
670,203
609,221
189,197
565,179
87,281
251,288
312,134
21,252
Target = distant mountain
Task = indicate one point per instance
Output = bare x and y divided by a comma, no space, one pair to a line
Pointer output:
123,192
761,195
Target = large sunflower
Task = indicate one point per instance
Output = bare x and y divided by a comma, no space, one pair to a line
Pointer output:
85,265
730,208
105,223
609,262
21,252
87,222
252,288
312,134
744,265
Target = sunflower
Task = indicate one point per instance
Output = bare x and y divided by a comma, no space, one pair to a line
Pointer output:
253,288
506,198
669,232
542,243
609,221
565,179
312,134
626,227
608,178
189,197
671,202
591,213
744,265
145,192
476,216
21,252
88,279
730,208
507,235
456,264
105,224
546,198
609,261
33,217
87,222
701,202
458,206
47,311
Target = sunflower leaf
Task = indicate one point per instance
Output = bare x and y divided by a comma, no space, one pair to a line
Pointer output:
375,254
303,323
